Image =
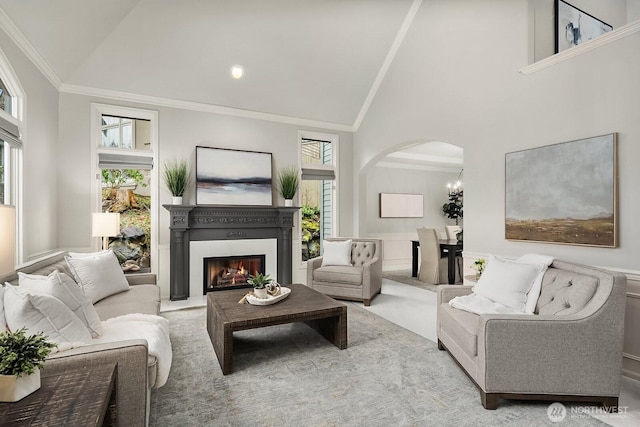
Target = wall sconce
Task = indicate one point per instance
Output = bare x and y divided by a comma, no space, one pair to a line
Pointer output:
105,225
8,239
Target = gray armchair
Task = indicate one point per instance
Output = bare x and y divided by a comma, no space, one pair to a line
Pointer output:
569,350
360,281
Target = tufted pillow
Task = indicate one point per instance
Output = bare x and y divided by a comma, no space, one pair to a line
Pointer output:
565,293
63,287
362,252
46,314
336,252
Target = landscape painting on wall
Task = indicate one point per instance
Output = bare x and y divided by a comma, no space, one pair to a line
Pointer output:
232,177
563,193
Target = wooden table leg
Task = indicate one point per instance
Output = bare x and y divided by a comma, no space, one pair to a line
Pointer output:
221,337
334,329
414,258
451,264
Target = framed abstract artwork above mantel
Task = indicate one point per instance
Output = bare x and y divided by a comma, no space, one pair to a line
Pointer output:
563,193
233,177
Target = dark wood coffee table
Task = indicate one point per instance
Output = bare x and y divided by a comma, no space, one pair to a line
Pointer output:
224,316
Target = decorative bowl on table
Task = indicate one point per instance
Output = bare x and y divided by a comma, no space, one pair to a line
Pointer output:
270,299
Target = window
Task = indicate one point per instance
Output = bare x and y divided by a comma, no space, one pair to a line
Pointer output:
9,143
123,144
318,191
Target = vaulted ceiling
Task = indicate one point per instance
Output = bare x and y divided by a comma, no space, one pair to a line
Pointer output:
309,59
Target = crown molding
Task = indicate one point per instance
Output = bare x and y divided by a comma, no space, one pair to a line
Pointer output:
7,24
393,50
602,40
199,106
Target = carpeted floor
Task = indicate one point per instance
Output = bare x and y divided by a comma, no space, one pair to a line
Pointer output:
289,375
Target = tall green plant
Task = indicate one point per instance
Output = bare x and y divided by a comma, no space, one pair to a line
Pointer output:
453,209
20,354
176,177
288,182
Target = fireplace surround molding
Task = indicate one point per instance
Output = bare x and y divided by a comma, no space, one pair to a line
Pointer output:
190,223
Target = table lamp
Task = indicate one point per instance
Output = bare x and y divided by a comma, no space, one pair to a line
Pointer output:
8,239
105,225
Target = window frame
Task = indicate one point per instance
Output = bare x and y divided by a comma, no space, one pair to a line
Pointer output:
334,139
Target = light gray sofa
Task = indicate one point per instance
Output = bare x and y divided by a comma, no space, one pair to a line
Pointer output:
137,370
570,350
360,281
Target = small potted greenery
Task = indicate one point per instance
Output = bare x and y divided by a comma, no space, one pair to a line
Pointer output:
259,282
20,360
176,177
479,266
288,183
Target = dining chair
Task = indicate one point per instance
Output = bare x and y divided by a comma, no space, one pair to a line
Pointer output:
452,230
433,267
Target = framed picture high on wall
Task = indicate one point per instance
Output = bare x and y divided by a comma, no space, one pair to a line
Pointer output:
575,26
232,177
563,193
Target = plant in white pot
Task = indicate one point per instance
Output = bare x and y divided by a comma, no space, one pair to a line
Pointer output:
288,183
21,357
176,177
259,282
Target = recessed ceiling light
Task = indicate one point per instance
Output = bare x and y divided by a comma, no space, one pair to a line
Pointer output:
237,71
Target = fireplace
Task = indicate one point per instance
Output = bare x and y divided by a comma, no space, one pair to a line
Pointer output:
230,272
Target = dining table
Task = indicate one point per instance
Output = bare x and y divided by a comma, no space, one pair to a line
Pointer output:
451,247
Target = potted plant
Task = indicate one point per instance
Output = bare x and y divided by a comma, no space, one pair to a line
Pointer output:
20,360
259,282
453,208
288,182
176,177
479,266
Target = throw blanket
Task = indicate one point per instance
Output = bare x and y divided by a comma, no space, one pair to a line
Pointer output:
153,329
480,305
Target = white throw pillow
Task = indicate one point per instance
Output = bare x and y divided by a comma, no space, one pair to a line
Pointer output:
534,293
3,320
87,254
46,314
99,275
507,282
63,287
336,252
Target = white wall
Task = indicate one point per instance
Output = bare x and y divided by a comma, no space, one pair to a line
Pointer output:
432,185
39,154
180,131
442,87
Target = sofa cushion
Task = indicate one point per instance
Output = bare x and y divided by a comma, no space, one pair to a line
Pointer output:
63,287
362,252
336,252
565,292
461,325
99,275
339,274
46,314
143,299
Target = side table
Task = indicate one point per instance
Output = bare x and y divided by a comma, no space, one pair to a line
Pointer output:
80,397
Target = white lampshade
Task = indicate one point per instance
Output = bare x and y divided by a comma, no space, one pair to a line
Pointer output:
105,224
8,239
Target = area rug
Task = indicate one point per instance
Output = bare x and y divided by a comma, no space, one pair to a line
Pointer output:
405,277
288,375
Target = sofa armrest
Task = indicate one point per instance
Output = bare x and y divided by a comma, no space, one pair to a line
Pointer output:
132,388
448,292
372,276
312,264
141,279
550,354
